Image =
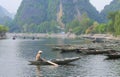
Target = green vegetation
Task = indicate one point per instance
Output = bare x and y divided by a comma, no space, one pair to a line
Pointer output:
36,15
3,30
114,6
44,27
114,22
111,27
76,16
79,26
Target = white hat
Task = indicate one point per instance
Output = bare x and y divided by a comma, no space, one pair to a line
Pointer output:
40,51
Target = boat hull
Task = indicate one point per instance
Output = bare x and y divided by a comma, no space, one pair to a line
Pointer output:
97,52
113,56
58,61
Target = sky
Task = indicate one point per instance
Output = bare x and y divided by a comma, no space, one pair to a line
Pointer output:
12,5
99,4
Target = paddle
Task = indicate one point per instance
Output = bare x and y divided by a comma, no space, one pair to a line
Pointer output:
50,62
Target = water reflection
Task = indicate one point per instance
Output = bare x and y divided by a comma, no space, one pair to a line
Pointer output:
38,71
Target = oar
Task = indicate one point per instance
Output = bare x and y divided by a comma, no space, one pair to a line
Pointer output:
50,62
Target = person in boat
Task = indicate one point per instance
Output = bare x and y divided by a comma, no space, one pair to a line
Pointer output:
38,56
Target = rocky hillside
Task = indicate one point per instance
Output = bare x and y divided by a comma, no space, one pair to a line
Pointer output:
62,11
113,6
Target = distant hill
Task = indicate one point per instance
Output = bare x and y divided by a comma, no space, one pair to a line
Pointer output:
5,16
62,11
113,6
4,12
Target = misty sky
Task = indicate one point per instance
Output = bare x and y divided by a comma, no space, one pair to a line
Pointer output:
12,5
99,4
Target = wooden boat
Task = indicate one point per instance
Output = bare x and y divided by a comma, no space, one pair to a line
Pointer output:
56,48
113,56
14,38
69,50
98,40
60,47
58,61
97,52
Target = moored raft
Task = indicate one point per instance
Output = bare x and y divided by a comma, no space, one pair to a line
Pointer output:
60,47
58,61
97,52
70,50
113,56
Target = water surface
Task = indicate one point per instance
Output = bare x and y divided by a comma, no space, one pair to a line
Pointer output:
15,54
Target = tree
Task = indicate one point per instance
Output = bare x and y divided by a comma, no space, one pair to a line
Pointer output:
48,27
117,23
79,26
3,29
101,28
114,22
73,25
92,29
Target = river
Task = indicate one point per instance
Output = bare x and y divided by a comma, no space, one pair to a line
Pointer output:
15,54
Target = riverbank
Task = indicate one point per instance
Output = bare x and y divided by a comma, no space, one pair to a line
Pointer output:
63,35
2,35
42,35
102,36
